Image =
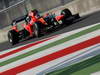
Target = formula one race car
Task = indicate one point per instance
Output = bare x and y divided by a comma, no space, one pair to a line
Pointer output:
29,26
22,28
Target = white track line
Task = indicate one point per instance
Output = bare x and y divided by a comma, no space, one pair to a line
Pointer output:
45,66
66,34
93,51
50,50
40,45
96,73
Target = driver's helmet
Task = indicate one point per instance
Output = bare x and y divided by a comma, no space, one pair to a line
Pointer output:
33,12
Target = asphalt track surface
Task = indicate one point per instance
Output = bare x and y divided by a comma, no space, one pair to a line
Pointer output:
82,22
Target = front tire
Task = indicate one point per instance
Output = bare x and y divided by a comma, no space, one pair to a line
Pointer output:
13,37
37,29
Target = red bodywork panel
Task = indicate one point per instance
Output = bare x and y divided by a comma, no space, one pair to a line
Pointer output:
42,21
33,20
15,28
29,28
58,18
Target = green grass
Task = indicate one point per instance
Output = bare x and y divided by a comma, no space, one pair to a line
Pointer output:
83,68
88,70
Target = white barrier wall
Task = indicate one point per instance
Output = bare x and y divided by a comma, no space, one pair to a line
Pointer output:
83,7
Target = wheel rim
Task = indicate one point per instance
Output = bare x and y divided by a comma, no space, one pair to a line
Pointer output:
10,40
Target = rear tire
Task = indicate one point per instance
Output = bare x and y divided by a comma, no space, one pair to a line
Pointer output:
13,37
66,12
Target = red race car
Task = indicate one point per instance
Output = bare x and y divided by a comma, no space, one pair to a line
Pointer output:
35,25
